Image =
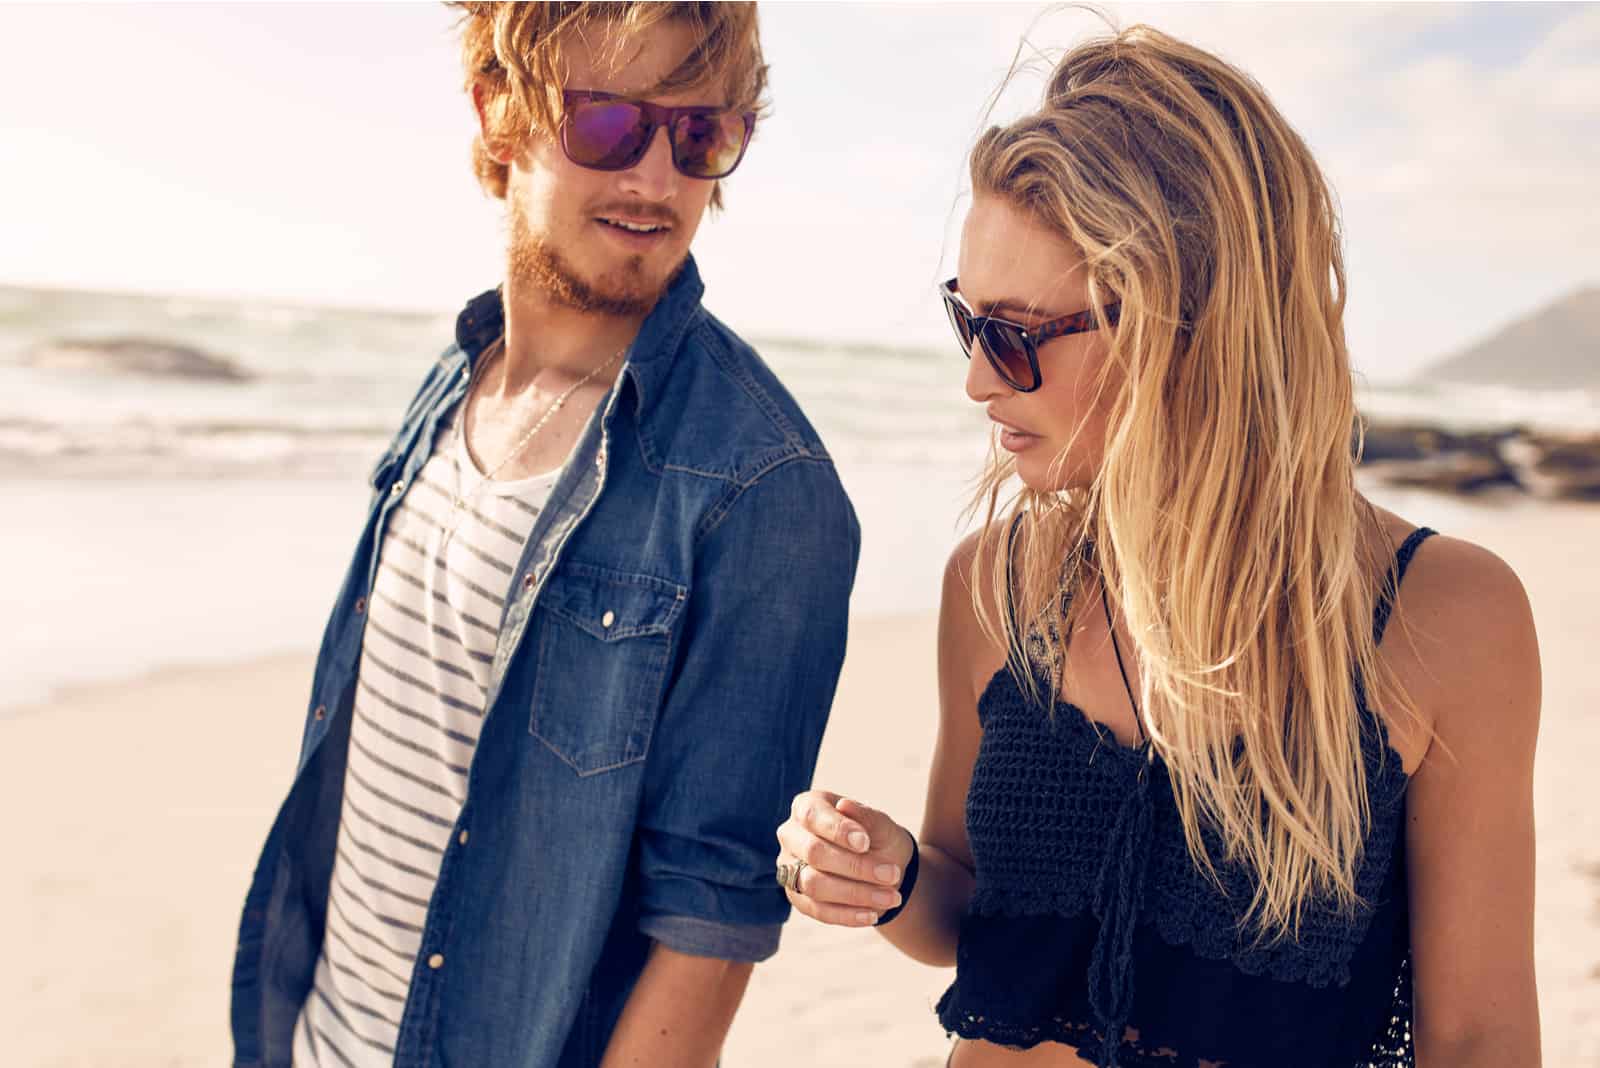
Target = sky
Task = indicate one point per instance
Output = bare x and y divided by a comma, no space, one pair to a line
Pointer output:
319,153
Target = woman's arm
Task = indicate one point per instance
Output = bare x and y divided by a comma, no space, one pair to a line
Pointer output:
1469,809
841,883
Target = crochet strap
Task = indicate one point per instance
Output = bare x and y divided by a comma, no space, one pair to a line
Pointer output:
1014,636
1391,584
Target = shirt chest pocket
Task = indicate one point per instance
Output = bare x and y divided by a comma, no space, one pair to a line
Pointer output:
605,643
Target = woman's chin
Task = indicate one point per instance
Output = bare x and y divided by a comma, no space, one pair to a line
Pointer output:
1044,485
1036,473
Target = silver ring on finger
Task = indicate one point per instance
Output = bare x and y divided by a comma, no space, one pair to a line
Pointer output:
794,880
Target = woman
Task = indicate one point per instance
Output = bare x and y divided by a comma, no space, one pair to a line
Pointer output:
1163,825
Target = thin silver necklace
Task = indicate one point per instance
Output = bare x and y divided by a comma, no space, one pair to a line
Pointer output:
463,502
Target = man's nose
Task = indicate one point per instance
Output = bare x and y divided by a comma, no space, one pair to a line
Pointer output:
653,178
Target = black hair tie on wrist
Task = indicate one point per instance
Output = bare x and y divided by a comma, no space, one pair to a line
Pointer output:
908,882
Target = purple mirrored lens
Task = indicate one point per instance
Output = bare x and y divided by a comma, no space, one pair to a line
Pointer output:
708,144
607,134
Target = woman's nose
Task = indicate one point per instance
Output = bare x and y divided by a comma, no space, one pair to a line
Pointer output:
983,383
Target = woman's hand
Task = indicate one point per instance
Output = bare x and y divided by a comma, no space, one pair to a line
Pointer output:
855,858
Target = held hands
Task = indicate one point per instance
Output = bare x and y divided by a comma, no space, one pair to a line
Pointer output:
854,857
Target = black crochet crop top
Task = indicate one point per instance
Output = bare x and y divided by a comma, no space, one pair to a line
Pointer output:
1091,925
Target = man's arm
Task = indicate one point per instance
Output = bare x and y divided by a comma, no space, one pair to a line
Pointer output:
736,739
679,1012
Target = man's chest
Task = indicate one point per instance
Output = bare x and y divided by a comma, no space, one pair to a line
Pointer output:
519,437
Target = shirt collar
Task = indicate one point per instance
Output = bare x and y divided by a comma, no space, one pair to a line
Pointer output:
650,355
484,318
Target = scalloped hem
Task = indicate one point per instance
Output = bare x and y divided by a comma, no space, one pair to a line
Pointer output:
1391,1049
1083,1038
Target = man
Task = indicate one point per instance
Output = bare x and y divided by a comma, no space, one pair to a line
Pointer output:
585,651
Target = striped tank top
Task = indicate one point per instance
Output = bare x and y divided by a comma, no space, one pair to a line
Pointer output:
443,578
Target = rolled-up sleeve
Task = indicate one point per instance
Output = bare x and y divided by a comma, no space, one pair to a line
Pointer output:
738,734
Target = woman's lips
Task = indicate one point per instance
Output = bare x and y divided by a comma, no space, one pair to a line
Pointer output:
1012,439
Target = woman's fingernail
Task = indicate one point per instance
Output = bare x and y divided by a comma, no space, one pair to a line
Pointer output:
883,898
865,918
887,873
859,841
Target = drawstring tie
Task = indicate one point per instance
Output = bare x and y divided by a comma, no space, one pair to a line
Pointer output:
1118,894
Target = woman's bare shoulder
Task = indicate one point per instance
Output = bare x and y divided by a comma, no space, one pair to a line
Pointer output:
1455,588
970,581
1462,637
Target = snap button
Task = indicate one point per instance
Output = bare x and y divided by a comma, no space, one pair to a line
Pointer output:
397,489
361,605
322,710
462,837
436,961
608,619
528,580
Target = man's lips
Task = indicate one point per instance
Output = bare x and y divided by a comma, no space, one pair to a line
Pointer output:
635,225
646,219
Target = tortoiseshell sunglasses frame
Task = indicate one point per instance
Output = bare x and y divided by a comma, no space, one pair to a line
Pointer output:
970,329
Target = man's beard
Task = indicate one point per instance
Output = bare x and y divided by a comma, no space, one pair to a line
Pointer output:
624,293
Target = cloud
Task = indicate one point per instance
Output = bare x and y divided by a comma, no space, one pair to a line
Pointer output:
1468,192
215,144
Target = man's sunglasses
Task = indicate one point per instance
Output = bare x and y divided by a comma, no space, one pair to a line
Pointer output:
1013,349
605,132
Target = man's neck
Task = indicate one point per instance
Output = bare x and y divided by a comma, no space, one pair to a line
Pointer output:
542,335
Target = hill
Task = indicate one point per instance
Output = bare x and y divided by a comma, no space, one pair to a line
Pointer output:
1555,347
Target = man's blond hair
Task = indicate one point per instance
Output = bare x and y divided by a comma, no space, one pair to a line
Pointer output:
514,53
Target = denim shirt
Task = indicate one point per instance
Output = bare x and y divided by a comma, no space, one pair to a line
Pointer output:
665,664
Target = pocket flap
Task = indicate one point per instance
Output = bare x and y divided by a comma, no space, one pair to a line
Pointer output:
613,605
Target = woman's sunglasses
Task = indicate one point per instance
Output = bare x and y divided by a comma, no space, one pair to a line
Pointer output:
605,132
1013,349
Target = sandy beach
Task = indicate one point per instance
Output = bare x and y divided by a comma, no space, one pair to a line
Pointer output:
135,810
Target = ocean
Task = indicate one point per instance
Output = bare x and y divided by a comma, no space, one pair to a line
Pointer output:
203,509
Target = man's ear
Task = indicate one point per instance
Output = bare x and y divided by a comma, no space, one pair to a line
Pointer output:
496,146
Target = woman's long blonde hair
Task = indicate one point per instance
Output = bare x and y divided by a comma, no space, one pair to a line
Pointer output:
1224,518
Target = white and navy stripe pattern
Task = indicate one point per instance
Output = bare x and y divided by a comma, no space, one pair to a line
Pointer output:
432,622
